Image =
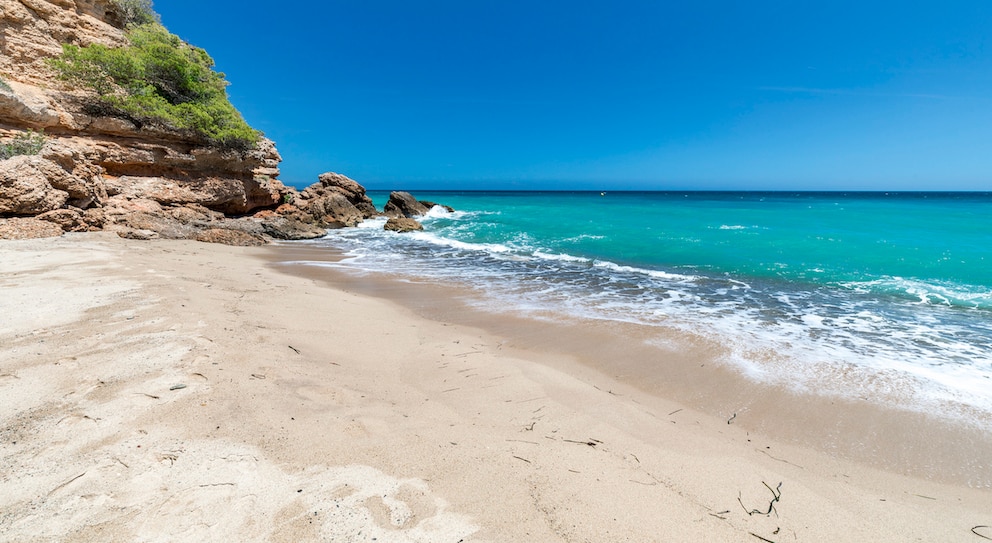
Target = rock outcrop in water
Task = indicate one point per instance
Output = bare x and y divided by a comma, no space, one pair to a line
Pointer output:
403,210
403,204
403,224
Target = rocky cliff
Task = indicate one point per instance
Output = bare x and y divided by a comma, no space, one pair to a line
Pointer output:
94,172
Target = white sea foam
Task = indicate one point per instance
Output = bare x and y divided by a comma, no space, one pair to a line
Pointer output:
375,222
583,237
847,341
651,273
438,212
495,248
927,292
561,257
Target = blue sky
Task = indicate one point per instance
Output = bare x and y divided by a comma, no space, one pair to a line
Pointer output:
617,95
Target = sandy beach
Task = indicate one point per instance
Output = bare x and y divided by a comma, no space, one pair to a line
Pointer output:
180,391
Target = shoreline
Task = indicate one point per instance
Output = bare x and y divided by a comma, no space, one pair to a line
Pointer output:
308,411
686,370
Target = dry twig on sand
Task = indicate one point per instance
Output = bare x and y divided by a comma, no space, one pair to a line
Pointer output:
776,496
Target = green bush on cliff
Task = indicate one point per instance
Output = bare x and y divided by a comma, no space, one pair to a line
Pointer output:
25,143
4,85
136,12
158,80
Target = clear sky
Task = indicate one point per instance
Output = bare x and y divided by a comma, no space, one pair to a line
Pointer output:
507,94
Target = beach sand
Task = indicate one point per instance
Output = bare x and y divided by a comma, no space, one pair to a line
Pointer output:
178,391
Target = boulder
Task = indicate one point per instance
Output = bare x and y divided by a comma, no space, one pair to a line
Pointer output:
343,184
164,226
403,224
335,201
333,210
288,229
70,220
352,190
95,217
403,204
140,235
229,237
26,186
28,228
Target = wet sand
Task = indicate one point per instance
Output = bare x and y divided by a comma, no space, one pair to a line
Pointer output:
177,391
687,369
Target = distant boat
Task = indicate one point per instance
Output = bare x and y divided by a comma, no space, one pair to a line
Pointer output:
602,194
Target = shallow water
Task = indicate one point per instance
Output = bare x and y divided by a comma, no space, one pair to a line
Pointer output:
878,296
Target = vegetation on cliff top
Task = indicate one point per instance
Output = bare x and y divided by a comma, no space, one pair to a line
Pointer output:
158,80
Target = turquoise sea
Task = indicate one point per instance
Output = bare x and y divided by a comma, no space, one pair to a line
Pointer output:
862,295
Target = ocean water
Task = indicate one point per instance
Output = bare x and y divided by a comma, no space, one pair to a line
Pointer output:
876,296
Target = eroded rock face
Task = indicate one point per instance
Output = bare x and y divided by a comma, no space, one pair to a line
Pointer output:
29,105
34,30
140,181
335,201
26,189
103,162
333,210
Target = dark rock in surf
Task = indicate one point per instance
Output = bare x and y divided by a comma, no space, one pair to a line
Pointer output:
403,224
403,204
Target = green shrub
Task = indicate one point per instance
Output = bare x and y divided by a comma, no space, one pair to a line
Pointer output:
158,80
136,12
25,143
4,86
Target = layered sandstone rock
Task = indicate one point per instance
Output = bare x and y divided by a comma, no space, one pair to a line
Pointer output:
32,31
144,182
26,186
102,162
